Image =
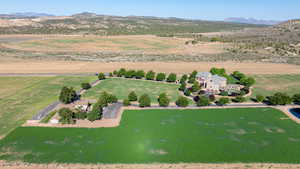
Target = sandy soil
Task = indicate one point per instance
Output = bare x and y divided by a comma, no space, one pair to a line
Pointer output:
6,165
176,67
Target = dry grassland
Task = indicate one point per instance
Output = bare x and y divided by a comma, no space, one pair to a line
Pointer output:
147,44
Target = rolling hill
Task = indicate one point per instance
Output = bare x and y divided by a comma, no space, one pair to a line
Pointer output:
90,23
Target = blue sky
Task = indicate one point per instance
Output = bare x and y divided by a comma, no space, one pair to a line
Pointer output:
193,9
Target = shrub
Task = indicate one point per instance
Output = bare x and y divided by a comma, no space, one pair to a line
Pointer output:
296,98
150,75
280,99
161,77
66,116
187,92
101,76
223,101
172,78
183,79
260,98
203,101
182,86
115,73
67,95
224,93
145,101
218,71
239,99
248,82
112,99
81,115
126,102
132,96
104,98
182,102
121,72
215,39
193,74
85,86
163,100
238,75
196,87
130,74
191,80
96,112
139,74
93,116
212,98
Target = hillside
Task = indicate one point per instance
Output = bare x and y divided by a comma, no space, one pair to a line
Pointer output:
279,43
90,23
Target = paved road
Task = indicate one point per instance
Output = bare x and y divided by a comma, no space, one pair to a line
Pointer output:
111,111
212,106
43,113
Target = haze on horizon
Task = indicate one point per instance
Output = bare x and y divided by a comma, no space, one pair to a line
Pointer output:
190,9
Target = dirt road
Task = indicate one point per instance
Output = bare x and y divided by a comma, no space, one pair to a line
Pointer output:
63,67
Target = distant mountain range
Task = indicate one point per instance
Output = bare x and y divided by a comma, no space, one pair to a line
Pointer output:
252,21
24,15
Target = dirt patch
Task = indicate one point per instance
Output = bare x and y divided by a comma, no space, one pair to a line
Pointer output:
158,152
274,130
22,66
238,131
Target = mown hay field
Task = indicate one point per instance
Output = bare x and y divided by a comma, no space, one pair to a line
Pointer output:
242,135
22,97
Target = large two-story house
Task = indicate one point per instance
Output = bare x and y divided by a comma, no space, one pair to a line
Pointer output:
215,84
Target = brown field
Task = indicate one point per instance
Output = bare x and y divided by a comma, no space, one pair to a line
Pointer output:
21,66
147,44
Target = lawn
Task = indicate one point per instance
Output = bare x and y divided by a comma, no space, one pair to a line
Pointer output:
165,136
270,84
122,87
22,97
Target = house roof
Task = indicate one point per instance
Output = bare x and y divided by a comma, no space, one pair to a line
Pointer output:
204,75
208,75
218,79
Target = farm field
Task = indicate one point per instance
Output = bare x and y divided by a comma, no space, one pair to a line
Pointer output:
122,87
270,84
22,97
249,135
